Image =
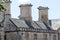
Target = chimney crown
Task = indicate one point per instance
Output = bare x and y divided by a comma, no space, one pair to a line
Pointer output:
42,8
24,5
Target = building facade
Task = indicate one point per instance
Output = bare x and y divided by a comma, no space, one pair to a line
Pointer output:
55,24
25,28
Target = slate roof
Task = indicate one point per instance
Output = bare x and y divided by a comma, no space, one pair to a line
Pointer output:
35,24
19,23
42,26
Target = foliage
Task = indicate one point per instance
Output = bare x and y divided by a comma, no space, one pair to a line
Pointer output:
2,8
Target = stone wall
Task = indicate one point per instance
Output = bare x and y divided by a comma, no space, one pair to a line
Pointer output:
1,33
31,36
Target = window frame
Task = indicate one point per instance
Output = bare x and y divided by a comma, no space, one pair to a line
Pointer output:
54,36
35,36
45,36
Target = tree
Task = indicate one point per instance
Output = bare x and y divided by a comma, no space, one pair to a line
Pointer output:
2,7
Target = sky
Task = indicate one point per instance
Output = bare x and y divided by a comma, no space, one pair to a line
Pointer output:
53,5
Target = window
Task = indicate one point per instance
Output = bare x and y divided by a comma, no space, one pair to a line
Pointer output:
27,35
44,36
0,36
35,36
54,37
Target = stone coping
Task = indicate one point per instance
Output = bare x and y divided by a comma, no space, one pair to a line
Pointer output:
42,8
34,30
25,5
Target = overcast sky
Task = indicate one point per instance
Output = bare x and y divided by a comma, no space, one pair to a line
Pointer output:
54,8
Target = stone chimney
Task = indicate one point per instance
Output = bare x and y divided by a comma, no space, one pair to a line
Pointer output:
43,14
7,13
25,12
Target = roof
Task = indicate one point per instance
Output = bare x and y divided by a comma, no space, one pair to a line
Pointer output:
41,25
55,24
35,24
19,23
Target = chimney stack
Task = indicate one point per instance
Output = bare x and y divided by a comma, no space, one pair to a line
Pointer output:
43,14
25,12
